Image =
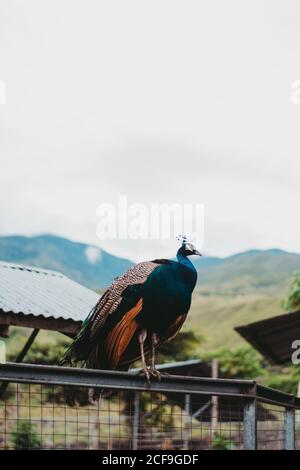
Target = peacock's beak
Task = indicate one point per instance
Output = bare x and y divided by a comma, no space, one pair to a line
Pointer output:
196,252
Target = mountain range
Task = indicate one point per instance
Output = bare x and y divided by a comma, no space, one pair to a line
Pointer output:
241,273
252,270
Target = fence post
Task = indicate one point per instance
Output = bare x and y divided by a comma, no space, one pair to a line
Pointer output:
136,421
289,428
187,423
250,424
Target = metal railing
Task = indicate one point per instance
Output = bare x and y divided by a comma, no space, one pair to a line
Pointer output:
177,412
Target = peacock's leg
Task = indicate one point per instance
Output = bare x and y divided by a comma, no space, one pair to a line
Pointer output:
142,338
154,342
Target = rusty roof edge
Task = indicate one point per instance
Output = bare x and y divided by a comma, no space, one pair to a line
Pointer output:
41,316
36,269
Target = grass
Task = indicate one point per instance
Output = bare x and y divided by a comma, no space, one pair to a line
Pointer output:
215,316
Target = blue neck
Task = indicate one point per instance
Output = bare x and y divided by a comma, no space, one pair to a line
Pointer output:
190,275
183,259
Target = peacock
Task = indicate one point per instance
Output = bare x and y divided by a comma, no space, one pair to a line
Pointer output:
141,310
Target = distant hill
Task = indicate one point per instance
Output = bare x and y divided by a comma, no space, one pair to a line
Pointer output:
86,264
253,270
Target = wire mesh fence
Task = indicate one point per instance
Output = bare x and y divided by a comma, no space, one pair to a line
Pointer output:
270,428
38,416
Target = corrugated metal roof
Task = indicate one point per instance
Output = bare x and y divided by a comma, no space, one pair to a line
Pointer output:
273,337
34,291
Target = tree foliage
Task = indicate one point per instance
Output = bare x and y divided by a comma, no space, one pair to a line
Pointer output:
292,302
286,380
241,363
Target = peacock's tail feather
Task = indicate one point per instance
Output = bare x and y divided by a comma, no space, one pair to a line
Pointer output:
81,347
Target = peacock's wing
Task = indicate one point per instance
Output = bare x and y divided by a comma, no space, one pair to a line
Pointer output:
82,346
112,297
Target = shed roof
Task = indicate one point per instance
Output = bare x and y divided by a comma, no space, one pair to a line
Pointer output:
41,298
273,337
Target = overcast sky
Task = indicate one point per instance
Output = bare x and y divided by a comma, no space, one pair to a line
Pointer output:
163,101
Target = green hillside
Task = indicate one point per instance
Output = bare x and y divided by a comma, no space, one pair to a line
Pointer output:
214,317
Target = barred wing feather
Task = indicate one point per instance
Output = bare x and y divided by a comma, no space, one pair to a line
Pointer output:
81,348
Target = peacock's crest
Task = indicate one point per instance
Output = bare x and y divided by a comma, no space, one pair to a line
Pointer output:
182,239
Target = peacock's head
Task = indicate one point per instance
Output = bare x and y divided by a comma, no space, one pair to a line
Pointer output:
187,248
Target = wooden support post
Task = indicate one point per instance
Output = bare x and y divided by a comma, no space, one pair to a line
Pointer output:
27,346
4,331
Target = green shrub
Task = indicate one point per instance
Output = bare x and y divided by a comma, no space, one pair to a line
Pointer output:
292,302
241,363
25,437
221,442
286,380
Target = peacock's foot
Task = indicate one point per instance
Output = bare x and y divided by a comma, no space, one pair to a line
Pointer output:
145,371
155,373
